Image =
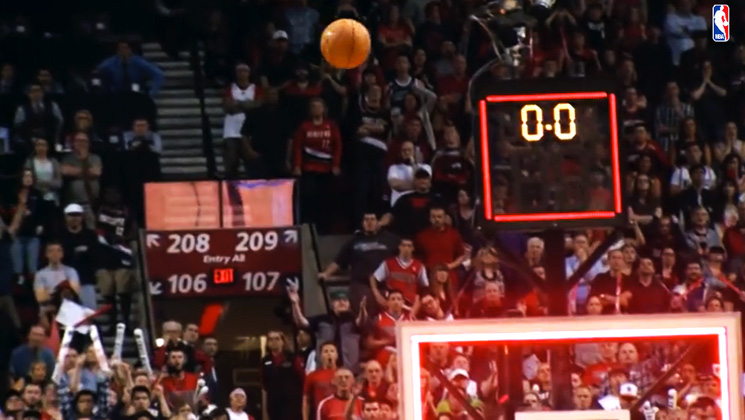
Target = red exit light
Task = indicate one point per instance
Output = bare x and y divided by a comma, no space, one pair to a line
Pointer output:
223,276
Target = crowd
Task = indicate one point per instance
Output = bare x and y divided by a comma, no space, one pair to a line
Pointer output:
395,136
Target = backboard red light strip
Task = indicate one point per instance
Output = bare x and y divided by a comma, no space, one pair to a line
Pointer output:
720,332
536,217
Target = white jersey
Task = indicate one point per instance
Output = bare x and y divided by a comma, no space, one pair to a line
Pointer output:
232,125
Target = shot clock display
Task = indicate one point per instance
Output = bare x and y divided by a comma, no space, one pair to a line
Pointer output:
550,159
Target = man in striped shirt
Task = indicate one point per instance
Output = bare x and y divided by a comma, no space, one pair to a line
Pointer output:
668,116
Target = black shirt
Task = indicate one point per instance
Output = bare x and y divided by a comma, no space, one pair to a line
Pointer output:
411,212
606,284
364,253
81,253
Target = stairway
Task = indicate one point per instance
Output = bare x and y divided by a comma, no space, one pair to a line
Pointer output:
179,119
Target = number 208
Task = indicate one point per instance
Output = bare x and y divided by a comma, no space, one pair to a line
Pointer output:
559,131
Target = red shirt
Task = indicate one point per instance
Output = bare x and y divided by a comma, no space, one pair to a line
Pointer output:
335,408
317,147
385,327
439,246
200,359
406,277
318,386
452,85
734,241
186,383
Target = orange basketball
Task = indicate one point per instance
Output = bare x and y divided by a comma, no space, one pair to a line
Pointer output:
345,43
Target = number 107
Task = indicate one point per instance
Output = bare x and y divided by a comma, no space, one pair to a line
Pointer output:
556,126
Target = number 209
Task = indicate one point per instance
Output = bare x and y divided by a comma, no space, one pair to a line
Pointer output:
557,128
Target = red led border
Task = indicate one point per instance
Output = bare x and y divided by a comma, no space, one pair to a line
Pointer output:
536,217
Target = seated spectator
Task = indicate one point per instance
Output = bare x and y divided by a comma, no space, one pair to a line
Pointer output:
681,178
25,355
50,86
730,143
39,116
380,340
47,175
55,275
700,237
126,72
26,227
83,170
83,123
80,247
8,82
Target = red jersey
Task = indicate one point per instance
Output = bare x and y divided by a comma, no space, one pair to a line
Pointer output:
406,277
385,327
317,147
439,246
172,384
335,408
319,385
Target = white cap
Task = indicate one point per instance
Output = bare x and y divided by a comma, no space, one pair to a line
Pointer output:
238,391
73,209
280,35
457,372
629,390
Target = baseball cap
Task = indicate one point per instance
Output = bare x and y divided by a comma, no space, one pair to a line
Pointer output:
629,390
338,295
280,35
74,209
238,391
457,372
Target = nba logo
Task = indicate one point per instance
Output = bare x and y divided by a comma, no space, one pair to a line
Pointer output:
720,24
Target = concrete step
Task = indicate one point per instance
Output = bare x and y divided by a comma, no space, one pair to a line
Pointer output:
179,123
169,102
174,65
175,93
176,143
189,111
190,161
178,83
174,133
151,46
179,74
183,152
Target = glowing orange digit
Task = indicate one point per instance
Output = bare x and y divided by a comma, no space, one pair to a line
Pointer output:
557,121
538,125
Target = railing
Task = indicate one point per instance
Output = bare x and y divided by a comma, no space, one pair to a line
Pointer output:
208,145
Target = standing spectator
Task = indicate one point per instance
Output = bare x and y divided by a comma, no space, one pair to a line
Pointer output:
191,335
236,410
452,170
608,285
318,384
26,227
647,295
117,230
363,254
83,170
47,174
306,349
338,327
317,149
210,348
680,24
303,24
403,273
50,86
281,380
175,378
239,98
126,72
336,406
80,246
38,117
141,138
85,404
381,339
401,173
55,275
8,84
278,63
409,215
25,355
734,238
267,131
669,114
581,245
440,243
194,361
7,300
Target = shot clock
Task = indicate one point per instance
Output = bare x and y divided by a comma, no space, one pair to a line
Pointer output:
549,154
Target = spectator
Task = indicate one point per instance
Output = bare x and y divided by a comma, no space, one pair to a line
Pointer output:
116,231
38,117
125,72
240,97
80,248
338,327
25,355
282,380
362,255
236,410
278,63
45,79
8,84
452,170
303,23
316,159
26,227
647,294
319,383
176,379
194,359
83,123
83,170
408,216
336,405
401,173
266,131
47,175
701,237
55,276
380,341
403,273
680,24
140,138
440,243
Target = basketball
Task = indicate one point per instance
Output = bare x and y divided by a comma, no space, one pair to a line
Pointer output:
345,43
